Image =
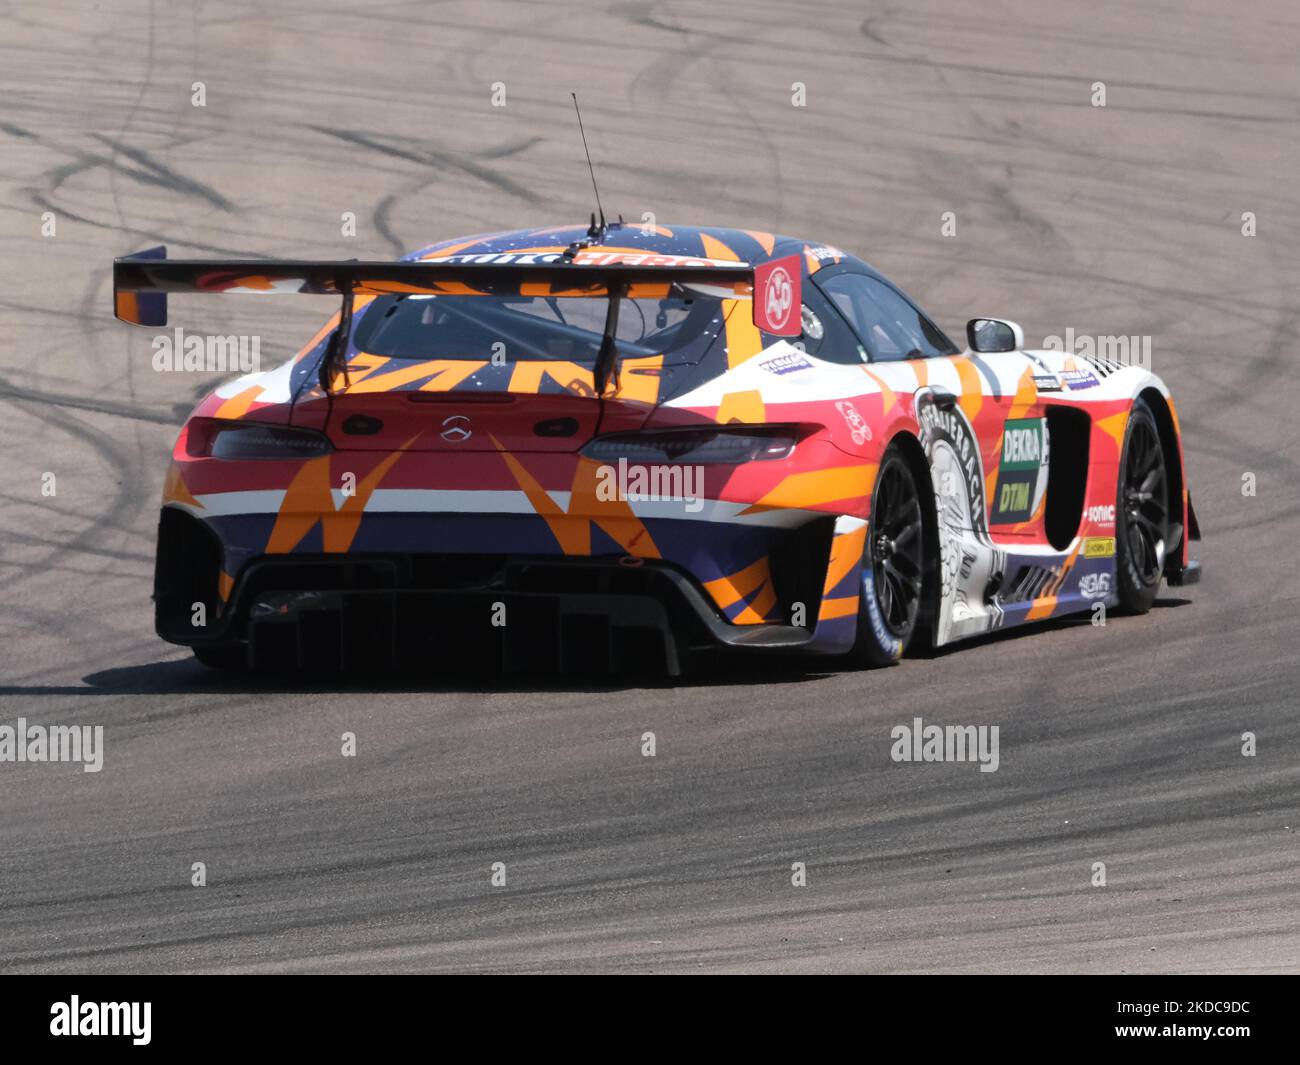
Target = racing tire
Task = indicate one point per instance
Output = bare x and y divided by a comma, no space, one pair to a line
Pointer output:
893,565
1141,513
232,658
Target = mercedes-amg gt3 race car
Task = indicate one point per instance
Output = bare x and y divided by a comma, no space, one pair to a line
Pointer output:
586,447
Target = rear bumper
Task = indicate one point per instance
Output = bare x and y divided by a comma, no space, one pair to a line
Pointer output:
452,612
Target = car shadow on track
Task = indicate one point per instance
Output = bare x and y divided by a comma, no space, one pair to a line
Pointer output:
187,677
1020,632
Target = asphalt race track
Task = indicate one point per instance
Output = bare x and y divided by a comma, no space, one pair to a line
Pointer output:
1120,744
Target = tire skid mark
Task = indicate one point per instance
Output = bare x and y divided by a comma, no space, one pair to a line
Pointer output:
426,155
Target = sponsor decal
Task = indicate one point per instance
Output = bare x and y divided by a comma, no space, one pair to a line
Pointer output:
888,642
1046,382
587,257
949,432
1077,379
1094,585
594,257
1024,451
1022,444
822,252
1099,547
498,258
968,560
777,297
1102,514
858,427
1014,499
792,362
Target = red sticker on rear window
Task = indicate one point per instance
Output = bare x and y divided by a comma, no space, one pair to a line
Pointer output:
776,297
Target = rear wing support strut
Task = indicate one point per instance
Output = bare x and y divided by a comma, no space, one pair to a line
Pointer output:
606,358
336,359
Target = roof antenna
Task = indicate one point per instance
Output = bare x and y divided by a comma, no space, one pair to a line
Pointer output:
595,232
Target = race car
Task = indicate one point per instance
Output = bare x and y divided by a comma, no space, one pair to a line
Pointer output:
591,448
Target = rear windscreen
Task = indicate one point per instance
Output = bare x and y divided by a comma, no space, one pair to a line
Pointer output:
523,328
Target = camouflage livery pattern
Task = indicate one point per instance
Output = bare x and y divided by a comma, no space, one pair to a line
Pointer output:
502,490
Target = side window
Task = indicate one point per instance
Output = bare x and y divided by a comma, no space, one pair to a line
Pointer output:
824,333
889,325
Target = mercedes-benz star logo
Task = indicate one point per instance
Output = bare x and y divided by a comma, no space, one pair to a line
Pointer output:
456,429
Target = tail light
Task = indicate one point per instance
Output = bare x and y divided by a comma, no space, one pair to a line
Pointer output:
240,441
722,444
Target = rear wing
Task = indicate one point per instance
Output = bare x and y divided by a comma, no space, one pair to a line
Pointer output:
141,283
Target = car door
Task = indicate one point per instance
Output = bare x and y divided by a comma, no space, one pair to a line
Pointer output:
989,396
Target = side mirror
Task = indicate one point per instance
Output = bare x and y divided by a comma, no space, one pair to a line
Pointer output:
989,335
